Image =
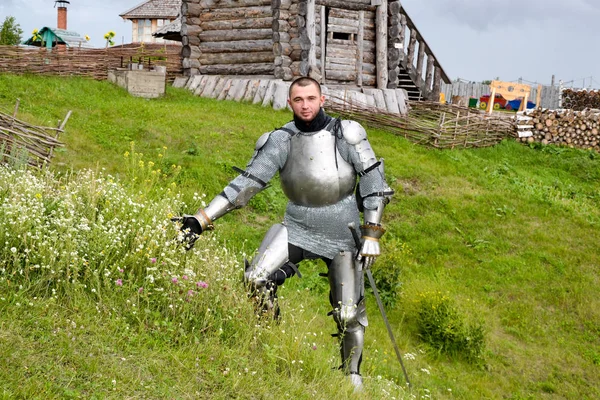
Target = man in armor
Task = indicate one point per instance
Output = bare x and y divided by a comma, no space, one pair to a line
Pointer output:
319,160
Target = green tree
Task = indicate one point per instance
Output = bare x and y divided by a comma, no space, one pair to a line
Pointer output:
10,32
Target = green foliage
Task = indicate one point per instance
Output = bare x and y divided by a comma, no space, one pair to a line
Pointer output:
443,327
512,228
108,36
10,32
387,271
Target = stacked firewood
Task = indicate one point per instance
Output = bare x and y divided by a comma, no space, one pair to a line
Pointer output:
580,100
570,128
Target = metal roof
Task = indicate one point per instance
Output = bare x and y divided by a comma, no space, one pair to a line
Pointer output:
53,36
154,9
170,31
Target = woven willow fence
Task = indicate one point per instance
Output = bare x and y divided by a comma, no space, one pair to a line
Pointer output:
432,124
93,63
24,142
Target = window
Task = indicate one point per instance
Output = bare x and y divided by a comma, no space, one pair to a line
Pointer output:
341,35
140,30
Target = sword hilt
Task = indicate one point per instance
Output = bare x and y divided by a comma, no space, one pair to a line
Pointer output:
355,235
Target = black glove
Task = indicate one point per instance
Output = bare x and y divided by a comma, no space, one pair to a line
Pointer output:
191,228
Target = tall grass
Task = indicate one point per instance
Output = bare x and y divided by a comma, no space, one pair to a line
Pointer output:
104,258
98,300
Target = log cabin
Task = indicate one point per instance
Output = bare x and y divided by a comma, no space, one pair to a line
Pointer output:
346,43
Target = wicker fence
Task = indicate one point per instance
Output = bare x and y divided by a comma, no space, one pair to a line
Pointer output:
23,142
432,124
93,63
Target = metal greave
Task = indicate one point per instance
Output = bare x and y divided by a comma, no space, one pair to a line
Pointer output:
346,285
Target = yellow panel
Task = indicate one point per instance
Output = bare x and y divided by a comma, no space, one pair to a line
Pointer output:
510,90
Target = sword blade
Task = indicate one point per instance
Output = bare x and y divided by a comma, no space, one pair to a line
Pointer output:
387,323
355,235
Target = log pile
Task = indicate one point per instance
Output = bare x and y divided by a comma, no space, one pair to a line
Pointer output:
580,100
575,129
20,141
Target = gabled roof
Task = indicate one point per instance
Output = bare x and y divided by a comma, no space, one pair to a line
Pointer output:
170,31
154,9
53,36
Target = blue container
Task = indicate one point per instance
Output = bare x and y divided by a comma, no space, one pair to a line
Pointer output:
516,104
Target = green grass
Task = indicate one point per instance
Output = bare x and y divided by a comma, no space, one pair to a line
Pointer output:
508,234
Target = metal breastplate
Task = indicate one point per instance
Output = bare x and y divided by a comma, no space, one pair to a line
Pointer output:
310,176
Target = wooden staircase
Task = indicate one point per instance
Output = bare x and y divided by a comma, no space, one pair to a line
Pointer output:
412,66
406,82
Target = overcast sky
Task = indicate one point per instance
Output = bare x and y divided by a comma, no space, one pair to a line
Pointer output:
473,40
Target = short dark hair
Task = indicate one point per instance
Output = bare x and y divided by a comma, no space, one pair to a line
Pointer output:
304,81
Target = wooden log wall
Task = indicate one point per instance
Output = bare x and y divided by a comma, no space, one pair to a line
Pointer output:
306,40
233,37
350,47
338,41
285,30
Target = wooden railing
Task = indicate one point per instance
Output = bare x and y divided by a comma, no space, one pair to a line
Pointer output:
426,74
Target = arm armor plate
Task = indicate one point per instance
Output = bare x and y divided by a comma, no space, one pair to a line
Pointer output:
356,136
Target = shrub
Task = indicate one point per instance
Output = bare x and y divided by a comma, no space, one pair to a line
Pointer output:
387,270
443,328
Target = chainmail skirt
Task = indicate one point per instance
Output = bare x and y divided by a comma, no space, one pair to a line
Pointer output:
323,230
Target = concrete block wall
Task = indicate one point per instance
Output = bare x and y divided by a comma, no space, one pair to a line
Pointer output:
140,83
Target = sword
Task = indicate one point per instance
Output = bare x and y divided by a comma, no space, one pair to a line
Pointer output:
356,237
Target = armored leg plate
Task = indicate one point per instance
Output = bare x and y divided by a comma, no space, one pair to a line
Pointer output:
261,275
349,312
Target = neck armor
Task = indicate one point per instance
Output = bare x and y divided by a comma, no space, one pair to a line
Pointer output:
320,122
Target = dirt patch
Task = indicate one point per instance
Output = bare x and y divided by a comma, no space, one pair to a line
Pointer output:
409,187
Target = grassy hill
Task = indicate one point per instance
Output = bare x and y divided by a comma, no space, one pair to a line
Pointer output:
490,266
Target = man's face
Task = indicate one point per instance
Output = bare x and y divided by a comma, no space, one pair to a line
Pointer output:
306,102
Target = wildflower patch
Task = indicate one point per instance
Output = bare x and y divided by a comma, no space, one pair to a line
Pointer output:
86,233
